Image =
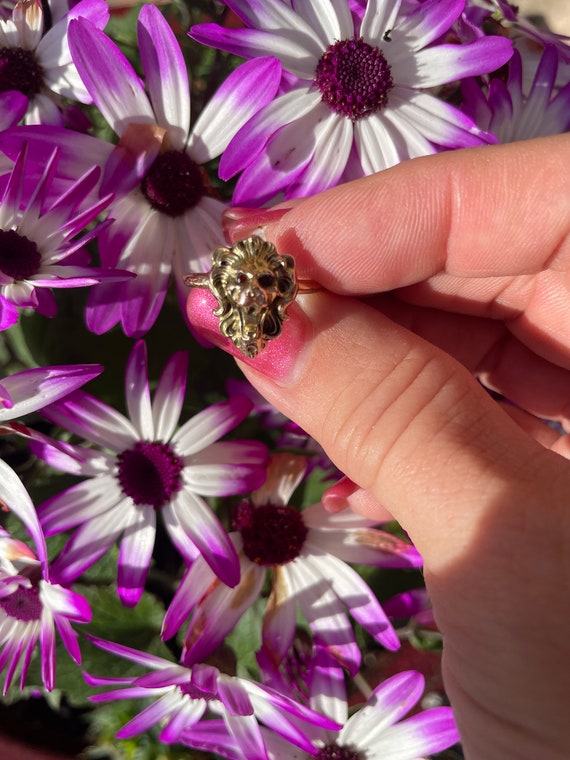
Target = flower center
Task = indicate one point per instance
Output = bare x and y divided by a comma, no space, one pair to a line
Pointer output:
150,473
24,604
174,183
271,535
354,78
20,258
334,752
20,70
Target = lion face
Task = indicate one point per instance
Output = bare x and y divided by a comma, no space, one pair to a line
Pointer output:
254,286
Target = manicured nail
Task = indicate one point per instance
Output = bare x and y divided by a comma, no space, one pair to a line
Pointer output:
239,223
347,494
281,356
335,498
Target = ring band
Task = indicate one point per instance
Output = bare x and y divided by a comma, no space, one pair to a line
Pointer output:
254,286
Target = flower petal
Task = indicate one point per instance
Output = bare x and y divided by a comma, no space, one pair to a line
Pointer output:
166,74
116,89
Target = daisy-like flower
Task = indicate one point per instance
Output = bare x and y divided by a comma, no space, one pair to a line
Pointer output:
184,696
306,554
374,732
32,606
39,247
35,58
358,104
143,467
512,115
167,216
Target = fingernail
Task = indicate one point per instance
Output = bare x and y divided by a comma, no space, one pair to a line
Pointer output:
347,494
241,222
280,359
335,498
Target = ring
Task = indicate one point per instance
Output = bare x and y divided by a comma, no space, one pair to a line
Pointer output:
254,286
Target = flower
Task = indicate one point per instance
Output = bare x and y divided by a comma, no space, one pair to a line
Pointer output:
39,249
168,215
306,554
35,58
511,114
358,103
32,607
186,695
374,732
143,467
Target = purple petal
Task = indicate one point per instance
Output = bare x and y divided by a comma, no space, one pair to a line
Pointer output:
210,424
166,74
358,597
447,63
8,314
86,416
208,534
47,643
252,138
135,556
17,500
33,389
246,731
13,106
429,21
169,396
89,543
389,702
137,392
226,468
299,53
244,92
196,582
110,79
134,655
80,503
150,716
219,612
234,696
421,735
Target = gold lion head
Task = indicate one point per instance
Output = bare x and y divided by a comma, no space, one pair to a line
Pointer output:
254,286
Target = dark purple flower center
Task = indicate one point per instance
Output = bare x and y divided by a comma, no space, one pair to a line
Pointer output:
271,535
174,183
354,78
150,473
20,258
24,604
20,70
334,752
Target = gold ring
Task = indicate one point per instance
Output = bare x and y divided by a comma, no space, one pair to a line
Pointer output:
254,286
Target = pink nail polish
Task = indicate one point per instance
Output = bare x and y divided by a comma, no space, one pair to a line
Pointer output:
278,360
335,498
239,223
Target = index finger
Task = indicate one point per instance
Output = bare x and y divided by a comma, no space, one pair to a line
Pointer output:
481,212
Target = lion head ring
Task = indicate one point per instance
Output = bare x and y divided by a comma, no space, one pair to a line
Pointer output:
254,286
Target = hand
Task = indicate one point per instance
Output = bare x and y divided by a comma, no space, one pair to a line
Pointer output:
474,249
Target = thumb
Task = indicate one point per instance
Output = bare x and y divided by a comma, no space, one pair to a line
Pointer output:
400,417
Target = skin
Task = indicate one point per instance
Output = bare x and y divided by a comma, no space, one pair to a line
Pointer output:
439,275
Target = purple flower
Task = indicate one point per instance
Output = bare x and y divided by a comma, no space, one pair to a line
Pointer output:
143,467
306,553
184,696
504,108
32,607
374,732
35,58
358,104
167,214
39,247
